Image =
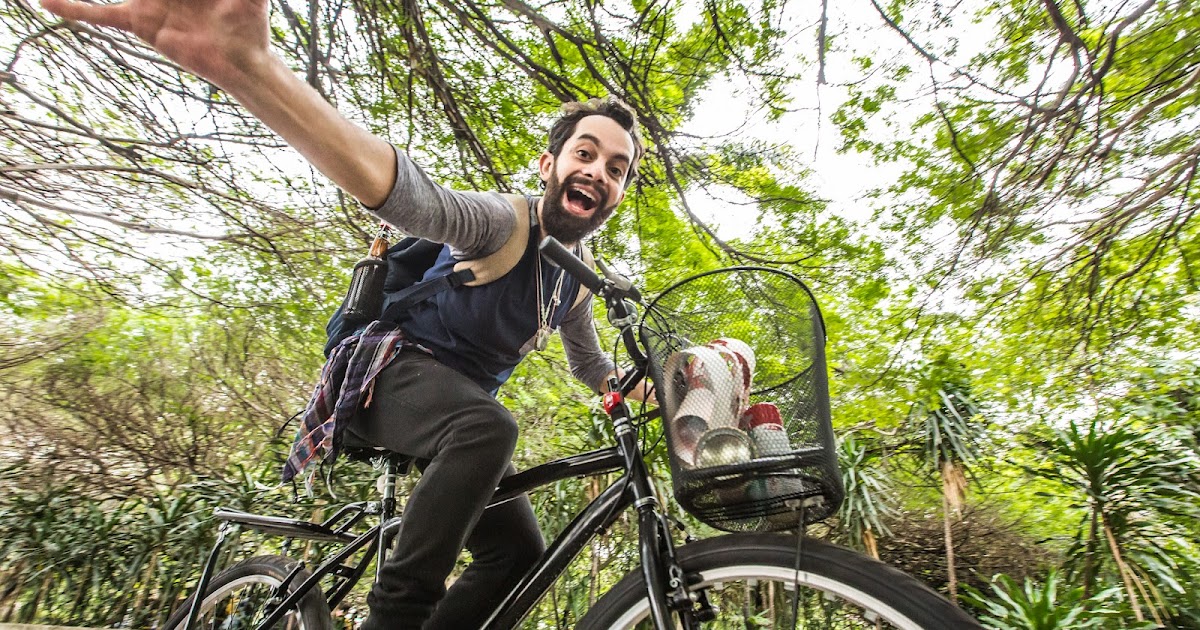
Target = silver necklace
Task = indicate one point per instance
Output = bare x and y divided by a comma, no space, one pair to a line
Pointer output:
545,311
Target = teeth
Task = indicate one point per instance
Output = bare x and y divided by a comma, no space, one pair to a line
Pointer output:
585,194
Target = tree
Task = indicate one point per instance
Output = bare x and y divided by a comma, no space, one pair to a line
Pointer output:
1050,605
868,495
1060,153
948,424
1127,475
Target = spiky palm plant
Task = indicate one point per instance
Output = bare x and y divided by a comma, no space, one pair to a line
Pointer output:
1135,485
950,427
1048,605
868,495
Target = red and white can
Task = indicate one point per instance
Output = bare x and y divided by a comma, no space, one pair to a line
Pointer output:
765,426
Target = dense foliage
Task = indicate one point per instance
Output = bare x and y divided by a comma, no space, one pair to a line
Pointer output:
1013,337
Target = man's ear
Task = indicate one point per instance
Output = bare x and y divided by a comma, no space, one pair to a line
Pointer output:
545,165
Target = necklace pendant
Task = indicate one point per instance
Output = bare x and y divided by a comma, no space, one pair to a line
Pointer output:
542,339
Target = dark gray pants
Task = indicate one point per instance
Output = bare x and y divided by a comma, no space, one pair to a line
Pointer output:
463,439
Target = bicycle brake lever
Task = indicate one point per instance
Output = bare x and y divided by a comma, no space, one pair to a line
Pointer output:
619,282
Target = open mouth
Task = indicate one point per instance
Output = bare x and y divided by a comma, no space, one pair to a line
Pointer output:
580,201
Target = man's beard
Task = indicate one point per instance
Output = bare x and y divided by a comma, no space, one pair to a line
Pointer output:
561,224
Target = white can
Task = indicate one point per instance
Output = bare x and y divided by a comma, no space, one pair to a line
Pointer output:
691,422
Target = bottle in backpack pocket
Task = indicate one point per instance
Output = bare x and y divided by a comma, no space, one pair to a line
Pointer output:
364,298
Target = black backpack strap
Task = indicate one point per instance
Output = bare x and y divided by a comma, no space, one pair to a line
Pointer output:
421,291
474,272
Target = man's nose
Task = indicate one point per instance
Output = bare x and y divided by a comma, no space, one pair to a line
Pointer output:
593,170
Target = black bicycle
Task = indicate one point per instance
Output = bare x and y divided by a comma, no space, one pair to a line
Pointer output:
737,359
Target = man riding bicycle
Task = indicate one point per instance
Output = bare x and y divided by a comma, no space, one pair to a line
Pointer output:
435,399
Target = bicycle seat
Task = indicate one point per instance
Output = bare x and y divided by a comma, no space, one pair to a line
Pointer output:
359,451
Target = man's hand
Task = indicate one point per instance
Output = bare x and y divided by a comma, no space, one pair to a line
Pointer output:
642,392
222,41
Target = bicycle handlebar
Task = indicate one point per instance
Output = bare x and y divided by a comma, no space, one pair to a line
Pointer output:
612,288
571,264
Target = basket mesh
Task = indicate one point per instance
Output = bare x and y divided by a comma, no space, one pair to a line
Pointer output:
747,454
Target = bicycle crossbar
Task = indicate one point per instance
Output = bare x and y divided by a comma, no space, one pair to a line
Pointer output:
581,465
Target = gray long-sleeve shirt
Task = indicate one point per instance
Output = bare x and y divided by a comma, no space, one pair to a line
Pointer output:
474,225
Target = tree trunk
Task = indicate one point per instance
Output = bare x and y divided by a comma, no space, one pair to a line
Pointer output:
318,515
1089,554
954,491
80,600
144,592
869,543
14,580
29,613
951,575
1127,577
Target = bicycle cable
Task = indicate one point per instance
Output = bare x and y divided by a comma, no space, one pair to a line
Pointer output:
800,527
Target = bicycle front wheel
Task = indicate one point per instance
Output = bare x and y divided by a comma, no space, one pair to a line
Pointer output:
241,597
754,581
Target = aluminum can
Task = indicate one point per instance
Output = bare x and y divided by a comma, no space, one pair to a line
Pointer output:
690,422
765,426
723,446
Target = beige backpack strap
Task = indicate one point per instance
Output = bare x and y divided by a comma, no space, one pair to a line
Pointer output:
584,294
495,265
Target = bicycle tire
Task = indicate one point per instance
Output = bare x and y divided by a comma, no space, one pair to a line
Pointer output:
848,590
243,588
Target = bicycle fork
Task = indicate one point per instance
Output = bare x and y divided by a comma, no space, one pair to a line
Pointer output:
666,584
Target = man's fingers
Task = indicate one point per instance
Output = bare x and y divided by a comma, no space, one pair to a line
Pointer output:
114,15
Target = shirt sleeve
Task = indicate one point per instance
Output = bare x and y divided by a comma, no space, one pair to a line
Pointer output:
474,224
589,363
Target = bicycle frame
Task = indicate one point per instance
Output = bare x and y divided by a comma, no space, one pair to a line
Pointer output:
665,581
631,489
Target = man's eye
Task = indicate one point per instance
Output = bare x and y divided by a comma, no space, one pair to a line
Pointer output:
581,153
616,172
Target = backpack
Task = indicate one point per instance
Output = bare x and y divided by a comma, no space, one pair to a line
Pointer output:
408,260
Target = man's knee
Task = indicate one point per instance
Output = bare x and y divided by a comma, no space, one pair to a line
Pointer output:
492,425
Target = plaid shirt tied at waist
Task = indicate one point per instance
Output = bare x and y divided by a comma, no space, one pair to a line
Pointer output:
346,384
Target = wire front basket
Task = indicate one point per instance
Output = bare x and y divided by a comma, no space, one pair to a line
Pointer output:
738,361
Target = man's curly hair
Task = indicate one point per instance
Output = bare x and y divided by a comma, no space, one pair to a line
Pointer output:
610,106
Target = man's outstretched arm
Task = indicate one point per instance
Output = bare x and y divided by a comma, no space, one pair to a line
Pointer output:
227,43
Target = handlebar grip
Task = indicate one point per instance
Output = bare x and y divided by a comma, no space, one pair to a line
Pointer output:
570,263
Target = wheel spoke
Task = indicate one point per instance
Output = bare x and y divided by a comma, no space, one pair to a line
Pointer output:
754,581
243,596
